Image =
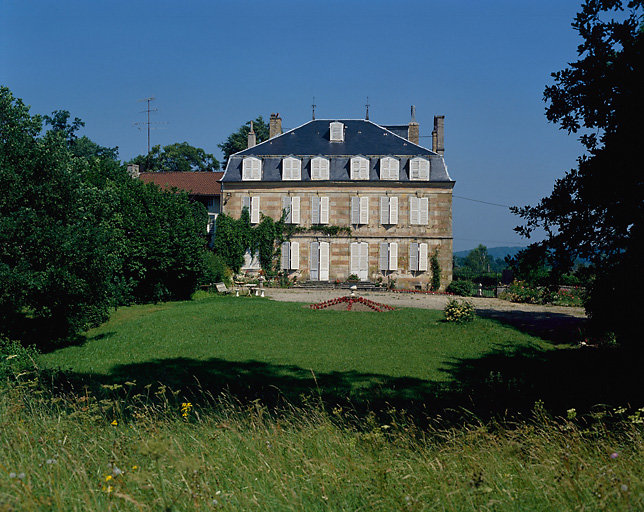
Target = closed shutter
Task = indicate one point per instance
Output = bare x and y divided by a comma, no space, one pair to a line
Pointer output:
355,210
384,211
393,210
394,169
286,255
414,169
393,256
315,168
413,257
254,210
424,169
314,261
246,203
295,255
413,210
324,210
315,210
364,260
296,169
424,211
364,210
354,264
287,166
384,170
383,261
295,210
422,257
286,206
324,261
324,169
364,169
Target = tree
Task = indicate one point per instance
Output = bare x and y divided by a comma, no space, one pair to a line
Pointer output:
596,211
478,260
181,157
237,141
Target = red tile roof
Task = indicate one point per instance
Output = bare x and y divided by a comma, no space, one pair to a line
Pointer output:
195,183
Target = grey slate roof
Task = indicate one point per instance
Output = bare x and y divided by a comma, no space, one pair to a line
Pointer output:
361,137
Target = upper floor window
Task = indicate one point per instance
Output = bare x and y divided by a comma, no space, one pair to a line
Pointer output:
336,132
389,168
319,168
252,204
418,210
360,210
251,169
359,168
419,169
291,168
292,207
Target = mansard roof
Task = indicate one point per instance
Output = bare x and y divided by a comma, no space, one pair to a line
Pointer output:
361,137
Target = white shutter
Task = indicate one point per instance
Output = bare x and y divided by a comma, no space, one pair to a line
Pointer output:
354,265
384,170
336,130
324,210
383,261
393,256
315,210
286,206
315,168
359,168
287,166
325,164
295,210
355,210
414,169
324,261
422,257
364,260
413,210
364,169
393,210
424,170
424,211
295,255
296,169
384,210
364,210
314,261
413,257
251,168
286,255
254,210
257,169
394,169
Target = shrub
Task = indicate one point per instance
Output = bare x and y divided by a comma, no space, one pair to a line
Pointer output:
436,272
459,311
462,288
353,278
215,269
520,291
15,359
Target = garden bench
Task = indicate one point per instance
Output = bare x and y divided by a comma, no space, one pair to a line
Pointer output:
221,288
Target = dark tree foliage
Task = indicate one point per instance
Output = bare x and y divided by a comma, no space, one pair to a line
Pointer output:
238,140
177,157
596,211
233,238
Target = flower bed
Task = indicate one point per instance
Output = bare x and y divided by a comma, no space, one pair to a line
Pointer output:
352,304
426,292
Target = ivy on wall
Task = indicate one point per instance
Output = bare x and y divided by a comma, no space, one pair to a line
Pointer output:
435,267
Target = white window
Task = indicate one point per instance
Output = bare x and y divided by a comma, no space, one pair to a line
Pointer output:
388,210
292,207
388,256
251,169
319,210
319,261
252,204
419,169
359,260
359,168
389,168
320,168
291,169
290,256
418,257
360,210
418,210
336,132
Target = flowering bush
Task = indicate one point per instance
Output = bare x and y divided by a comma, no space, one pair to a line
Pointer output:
520,291
459,311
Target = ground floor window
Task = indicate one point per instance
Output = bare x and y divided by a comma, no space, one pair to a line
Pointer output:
319,261
359,260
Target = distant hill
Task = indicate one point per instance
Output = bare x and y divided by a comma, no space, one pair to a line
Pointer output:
495,252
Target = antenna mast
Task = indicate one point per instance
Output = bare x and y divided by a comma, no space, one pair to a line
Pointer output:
313,108
147,111
367,105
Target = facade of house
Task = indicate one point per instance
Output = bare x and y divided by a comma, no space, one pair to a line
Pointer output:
394,195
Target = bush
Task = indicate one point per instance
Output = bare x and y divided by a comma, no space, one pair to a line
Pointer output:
215,269
15,359
520,291
462,288
459,311
353,278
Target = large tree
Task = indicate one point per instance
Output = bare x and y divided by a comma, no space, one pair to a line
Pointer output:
237,141
180,156
596,211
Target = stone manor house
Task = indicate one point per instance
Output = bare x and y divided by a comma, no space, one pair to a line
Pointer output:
377,180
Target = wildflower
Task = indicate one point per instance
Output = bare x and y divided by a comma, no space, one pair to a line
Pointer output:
114,423
186,407
135,467
51,461
108,478
116,471
614,455
572,414
624,487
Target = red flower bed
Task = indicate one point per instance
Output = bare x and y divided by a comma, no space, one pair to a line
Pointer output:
348,303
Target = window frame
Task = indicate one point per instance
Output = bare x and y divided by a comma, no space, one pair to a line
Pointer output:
249,168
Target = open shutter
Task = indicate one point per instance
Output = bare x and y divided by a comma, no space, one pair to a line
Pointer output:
325,165
384,210
287,165
286,205
314,262
354,265
324,210
364,210
384,170
254,210
424,211
295,255
383,261
413,210
424,170
414,169
296,170
413,257
393,256
364,260
315,168
422,257
355,210
246,203
286,255
324,261
315,210
393,210
295,210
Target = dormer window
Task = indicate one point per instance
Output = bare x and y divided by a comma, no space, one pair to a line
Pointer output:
336,131
419,169
320,168
291,169
251,169
359,168
389,168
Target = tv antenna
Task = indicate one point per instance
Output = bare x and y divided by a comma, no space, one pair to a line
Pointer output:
148,124
367,113
313,108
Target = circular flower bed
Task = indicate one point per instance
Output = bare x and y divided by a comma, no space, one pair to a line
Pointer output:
352,304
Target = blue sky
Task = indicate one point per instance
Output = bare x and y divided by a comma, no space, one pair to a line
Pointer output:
214,65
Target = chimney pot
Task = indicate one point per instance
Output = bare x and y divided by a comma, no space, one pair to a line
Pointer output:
275,126
252,138
438,135
413,130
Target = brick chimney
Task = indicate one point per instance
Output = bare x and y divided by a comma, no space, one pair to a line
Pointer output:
275,126
438,135
413,131
252,138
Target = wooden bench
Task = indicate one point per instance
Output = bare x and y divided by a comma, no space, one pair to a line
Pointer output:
221,288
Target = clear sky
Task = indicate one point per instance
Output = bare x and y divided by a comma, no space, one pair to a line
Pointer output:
213,65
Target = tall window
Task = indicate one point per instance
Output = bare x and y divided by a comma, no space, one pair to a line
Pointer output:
320,168
319,261
336,131
359,168
251,169
418,210
389,168
388,256
292,207
360,210
319,210
252,204
419,169
388,210
291,169
418,257
359,260
290,256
